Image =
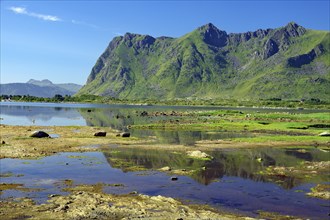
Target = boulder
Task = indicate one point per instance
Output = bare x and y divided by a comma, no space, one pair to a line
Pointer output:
39,134
174,178
125,134
100,134
167,168
325,134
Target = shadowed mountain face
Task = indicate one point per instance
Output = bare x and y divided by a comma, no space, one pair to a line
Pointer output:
289,62
43,88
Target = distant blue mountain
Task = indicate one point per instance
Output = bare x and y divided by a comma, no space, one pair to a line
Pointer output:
43,88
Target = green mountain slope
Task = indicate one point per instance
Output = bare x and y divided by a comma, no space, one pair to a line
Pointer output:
290,62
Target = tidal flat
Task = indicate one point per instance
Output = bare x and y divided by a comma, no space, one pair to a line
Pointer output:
277,160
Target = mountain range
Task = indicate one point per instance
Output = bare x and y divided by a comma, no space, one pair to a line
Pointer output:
289,62
43,88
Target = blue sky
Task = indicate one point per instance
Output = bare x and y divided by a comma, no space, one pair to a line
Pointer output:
61,40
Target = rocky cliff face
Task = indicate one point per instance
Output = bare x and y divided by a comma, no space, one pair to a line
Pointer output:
209,63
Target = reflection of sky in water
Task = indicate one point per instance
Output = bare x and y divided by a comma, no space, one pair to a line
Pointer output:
115,116
229,192
43,114
232,189
23,120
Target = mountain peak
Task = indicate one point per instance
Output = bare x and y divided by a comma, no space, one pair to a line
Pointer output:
208,26
293,24
44,82
213,36
293,29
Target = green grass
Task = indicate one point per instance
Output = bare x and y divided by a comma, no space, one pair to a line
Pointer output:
283,138
265,127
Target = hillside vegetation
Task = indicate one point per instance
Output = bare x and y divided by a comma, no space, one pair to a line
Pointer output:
289,62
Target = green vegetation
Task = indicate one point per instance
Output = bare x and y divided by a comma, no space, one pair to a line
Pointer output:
272,103
294,128
56,98
212,67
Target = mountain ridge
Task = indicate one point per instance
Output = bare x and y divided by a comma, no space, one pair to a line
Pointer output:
39,88
209,63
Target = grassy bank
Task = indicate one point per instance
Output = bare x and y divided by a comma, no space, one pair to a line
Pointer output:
313,103
280,128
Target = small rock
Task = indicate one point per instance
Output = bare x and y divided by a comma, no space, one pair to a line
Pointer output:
198,154
325,134
39,134
3,142
167,168
174,178
53,195
144,113
100,134
125,134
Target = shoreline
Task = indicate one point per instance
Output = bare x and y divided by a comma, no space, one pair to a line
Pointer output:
16,143
87,201
324,108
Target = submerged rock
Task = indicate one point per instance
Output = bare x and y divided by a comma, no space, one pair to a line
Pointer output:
100,134
39,134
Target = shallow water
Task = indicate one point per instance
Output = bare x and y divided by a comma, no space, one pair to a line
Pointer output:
228,182
115,116
118,117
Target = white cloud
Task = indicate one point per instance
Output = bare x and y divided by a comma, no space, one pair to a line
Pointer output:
18,10
23,11
85,24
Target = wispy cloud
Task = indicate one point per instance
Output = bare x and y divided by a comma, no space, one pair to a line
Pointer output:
24,11
85,24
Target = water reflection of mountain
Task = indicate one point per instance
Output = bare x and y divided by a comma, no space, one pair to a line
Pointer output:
114,118
120,119
238,163
37,112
